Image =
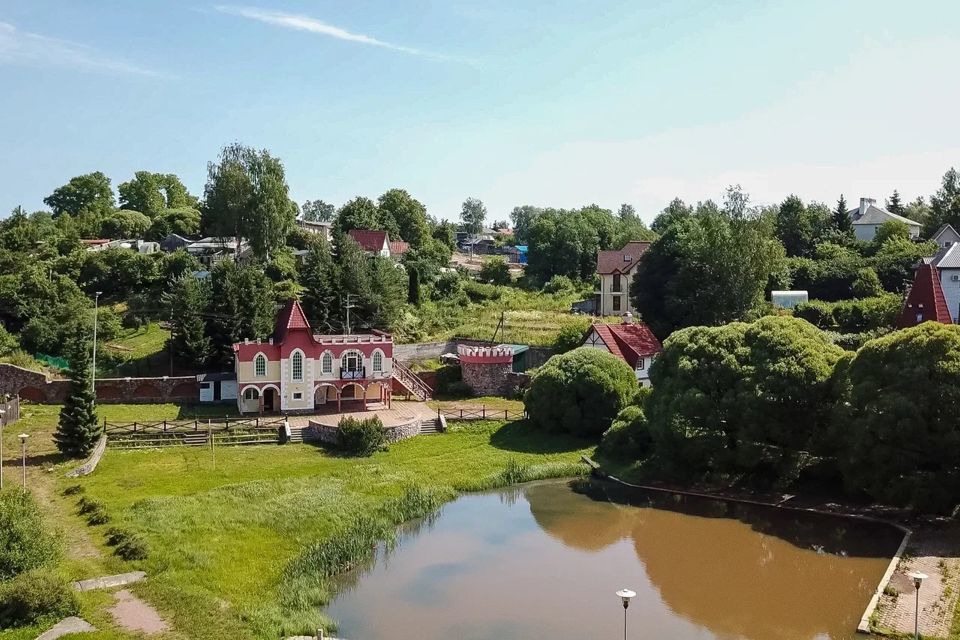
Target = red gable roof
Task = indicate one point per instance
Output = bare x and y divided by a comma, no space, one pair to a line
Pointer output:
290,317
622,261
399,247
628,341
925,301
370,240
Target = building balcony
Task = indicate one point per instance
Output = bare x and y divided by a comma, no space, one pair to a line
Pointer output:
357,374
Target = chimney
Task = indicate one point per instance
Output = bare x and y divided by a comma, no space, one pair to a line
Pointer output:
865,204
628,318
270,341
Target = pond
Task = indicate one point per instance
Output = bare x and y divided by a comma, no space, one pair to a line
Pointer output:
544,561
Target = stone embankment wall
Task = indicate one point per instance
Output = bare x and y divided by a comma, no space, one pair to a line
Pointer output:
328,434
535,356
36,387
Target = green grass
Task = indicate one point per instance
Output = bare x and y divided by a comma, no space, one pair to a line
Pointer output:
230,532
140,343
136,352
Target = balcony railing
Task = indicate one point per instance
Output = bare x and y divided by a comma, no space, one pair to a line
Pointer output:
357,374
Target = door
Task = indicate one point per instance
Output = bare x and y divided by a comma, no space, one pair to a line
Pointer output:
206,392
270,400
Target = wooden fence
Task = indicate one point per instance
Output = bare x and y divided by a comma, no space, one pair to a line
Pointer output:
481,413
197,433
11,410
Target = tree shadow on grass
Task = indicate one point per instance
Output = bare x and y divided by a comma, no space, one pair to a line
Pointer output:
522,437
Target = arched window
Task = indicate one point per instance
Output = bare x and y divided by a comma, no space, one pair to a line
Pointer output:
251,393
377,361
260,365
297,366
351,365
326,364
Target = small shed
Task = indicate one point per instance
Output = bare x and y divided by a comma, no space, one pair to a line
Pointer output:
218,387
788,299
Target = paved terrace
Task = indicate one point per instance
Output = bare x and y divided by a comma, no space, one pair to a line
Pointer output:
401,413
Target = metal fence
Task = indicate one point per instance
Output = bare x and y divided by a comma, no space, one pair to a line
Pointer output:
208,432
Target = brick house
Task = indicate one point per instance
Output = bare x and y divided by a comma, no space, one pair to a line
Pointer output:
298,371
616,270
632,342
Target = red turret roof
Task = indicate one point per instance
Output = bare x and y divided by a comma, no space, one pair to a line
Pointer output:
925,301
290,317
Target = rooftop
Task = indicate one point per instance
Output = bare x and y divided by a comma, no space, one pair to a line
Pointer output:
622,261
629,340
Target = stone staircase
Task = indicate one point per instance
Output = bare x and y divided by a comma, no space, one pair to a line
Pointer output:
296,434
410,381
196,439
430,426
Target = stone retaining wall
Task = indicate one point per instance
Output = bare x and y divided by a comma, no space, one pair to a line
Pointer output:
36,387
316,432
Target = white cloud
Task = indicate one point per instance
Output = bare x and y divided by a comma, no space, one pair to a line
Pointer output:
24,48
312,25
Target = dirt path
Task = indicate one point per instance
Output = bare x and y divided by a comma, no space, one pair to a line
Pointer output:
933,552
133,614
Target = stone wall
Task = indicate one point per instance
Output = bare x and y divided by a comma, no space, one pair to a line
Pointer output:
328,434
36,387
535,356
487,379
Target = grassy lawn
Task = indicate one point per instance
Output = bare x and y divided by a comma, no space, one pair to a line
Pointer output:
226,527
136,352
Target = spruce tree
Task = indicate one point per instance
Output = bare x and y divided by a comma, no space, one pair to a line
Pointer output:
78,429
187,301
841,219
320,295
895,205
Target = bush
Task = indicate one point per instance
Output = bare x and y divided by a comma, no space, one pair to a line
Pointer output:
24,543
74,490
851,316
569,338
95,511
628,437
480,292
581,391
36,597
446,376
559,284
495,271
128,545
867,283
362,437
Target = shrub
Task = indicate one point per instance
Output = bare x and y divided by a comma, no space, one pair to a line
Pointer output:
851,316
480,292
24,543
569,338
629,435
447,376
867,283
132,547
95,511
36,597
495,271
559,284
581,391
362,437
74,490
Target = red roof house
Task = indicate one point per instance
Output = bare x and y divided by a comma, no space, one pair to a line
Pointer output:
925,301
632,342
398,248
371,241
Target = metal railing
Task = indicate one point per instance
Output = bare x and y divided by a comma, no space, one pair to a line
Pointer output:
411,381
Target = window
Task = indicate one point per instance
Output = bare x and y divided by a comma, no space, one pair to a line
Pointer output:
616,283
297,365
326,363
251,394
351,365
641,364
298,396
377,361
260,365
616,303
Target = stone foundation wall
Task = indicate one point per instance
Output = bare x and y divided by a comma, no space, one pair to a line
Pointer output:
487,379
35,387
316,432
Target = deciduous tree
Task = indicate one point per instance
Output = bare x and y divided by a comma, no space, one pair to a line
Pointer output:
89,192
473,213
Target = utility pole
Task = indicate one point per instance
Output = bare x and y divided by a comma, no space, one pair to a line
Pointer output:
93,378
348,306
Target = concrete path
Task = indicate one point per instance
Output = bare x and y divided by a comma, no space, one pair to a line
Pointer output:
109,582
67,626
133,614
935,554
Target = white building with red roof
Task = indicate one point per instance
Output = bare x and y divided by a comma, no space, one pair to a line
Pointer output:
616,270
298,371
632,342
375,243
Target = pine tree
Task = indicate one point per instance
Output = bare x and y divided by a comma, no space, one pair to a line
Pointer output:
319,280
78,429
895,205
841,219
187,300
413,286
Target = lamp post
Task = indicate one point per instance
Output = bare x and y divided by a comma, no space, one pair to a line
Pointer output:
625,595
93,378
918,579
2,421
23,449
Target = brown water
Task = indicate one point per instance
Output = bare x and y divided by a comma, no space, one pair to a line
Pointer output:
544,561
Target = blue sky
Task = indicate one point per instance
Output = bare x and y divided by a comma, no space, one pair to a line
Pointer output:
515,102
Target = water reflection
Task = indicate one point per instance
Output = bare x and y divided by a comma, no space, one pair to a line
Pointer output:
544,560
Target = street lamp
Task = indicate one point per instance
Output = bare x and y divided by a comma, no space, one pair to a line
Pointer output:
625,595
918,579
93,379
23,449
2,420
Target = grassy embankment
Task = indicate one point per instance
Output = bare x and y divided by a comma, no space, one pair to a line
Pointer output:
241,539
136,353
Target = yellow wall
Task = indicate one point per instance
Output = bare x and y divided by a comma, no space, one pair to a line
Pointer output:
245,372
